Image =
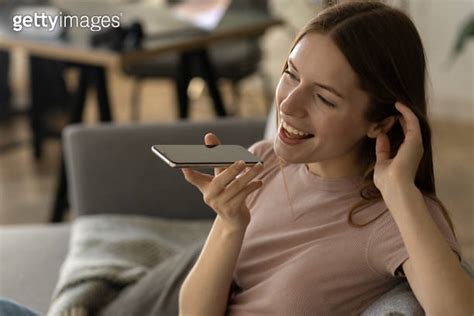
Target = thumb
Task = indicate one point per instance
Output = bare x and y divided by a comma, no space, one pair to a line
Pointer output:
382,147
211,139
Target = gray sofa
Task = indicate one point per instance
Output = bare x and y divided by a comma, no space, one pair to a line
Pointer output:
112,170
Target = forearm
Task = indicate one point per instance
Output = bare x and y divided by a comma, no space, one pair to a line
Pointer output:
440,280
205,290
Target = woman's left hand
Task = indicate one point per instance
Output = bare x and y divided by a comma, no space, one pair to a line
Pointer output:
401,169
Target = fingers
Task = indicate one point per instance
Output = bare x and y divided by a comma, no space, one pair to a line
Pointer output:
213,186
227,186
242,182
382,147
196,178
409,121
403,123
211,139
234,206
412,145
242,195
224,178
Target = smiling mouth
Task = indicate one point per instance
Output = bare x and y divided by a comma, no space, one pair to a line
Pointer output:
294,133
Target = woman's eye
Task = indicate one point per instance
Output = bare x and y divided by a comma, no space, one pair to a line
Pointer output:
326,101
292,76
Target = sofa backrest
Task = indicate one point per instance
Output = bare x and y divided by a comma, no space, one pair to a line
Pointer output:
111,169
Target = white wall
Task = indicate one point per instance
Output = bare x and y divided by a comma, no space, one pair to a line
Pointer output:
451,86
438,22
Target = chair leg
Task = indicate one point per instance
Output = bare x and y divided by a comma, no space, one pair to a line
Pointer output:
135,99
105,112
61,200
88,75
208,74
183,78
235,89
37,109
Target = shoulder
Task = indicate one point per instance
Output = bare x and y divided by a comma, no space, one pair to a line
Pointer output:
441,217
439,214
386,225
386,250
434,206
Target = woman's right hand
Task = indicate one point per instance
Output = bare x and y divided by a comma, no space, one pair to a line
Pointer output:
226,191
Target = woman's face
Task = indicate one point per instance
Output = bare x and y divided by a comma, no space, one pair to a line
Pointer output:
318,96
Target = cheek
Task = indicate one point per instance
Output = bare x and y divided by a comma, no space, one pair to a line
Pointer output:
281,92
337,129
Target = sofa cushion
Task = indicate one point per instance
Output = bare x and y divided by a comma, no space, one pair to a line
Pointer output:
158,291
24,247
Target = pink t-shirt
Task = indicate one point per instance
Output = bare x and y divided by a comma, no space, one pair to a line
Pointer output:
307,259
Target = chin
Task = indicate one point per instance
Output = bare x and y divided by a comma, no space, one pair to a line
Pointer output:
288,156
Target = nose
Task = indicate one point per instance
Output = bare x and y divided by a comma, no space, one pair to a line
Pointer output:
293,104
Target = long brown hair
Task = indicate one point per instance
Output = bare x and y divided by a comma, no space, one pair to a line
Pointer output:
385,50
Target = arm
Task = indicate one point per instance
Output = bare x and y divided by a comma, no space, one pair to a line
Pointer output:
205,290
433,270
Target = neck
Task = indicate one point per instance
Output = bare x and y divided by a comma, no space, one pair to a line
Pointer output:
336,169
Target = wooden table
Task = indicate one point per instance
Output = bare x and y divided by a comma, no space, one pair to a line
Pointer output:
163,34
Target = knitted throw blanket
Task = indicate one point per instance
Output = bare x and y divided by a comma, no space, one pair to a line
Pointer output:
109,252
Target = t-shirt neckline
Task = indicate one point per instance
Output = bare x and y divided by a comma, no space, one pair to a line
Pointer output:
329,184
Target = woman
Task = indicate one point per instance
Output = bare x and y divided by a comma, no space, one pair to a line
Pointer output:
345,207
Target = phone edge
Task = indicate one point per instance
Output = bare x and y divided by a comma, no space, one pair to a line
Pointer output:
187,165
164,158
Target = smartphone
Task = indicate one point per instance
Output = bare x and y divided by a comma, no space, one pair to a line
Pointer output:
182,156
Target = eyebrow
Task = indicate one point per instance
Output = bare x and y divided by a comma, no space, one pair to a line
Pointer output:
320,84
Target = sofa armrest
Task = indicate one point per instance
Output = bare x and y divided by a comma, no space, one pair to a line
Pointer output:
398,301
31,256
111,169
401,300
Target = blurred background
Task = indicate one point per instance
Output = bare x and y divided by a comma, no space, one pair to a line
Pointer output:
28,183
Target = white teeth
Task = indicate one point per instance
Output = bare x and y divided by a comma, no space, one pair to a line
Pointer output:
293,130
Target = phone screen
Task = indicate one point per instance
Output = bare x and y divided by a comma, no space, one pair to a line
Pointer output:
203,156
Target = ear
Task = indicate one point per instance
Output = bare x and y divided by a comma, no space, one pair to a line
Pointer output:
382,126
